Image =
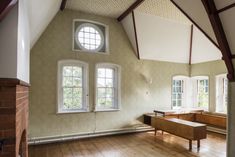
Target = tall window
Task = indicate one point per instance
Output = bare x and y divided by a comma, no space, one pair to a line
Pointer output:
177,97
179,94
203,93
72,86
221,93
107,87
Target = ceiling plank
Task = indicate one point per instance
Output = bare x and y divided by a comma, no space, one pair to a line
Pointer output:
63,5
6,6
195,24
191,46
220,35
136,37
226,8
130,9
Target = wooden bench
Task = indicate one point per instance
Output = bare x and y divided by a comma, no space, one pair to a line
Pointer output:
182,128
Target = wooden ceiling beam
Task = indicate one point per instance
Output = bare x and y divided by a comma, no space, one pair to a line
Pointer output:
130,9
136,37
220,35
191,46
226,8
63,5
6,6
195,24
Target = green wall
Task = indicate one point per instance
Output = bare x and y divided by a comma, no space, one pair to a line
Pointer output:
137,95
210,69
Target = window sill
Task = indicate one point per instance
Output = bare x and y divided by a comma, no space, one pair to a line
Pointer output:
72,112
106,110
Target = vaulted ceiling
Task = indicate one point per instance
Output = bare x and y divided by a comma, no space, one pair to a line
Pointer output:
161,15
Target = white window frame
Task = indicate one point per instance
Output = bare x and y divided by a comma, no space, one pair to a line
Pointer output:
88,22
220,96
194,84
85,101
185,94
117,86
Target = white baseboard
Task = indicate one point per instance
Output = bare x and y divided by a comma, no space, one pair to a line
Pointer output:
53,139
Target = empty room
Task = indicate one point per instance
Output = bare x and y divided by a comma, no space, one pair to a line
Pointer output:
117,78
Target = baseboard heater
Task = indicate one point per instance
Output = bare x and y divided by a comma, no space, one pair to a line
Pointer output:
216,130
54,139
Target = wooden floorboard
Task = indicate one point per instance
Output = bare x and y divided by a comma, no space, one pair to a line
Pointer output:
133,145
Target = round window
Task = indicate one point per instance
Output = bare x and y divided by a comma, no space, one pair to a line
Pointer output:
89,37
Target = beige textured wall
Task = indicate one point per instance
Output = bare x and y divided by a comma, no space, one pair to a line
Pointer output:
137,95
210,69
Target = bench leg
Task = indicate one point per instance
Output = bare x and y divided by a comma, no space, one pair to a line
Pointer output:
198,144
155,131
190,144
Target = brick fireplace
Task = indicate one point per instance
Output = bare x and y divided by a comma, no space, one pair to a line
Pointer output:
13,118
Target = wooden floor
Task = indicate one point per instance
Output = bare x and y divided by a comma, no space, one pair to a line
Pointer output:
133,145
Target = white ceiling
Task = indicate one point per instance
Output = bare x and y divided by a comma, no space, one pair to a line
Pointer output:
196,11
41,12
110,8
166,40
164,9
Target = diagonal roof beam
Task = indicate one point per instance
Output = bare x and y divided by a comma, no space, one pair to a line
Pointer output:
220,35
129,10
226,8
195,23
63,5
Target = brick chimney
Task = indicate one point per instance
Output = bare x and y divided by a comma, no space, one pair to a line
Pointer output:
13,118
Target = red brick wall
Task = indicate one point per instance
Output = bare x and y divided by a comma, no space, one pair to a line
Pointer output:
13,117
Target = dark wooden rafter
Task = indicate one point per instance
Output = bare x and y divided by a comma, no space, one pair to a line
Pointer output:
226,8
233,57
63,5
220,35
130,9
136,37
191,46
6,6
195,24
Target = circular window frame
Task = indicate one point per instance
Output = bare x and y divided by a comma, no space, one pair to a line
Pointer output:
96,29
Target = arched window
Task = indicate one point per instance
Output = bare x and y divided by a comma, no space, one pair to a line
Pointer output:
72,86
179,91
108,91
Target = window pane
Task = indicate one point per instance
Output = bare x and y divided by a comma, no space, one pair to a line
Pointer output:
68,103
109,92
77,93
77,82
67,81
77,71
109,102
101,82
68,92
101,72
109,73
101,102
109,82
67,71
77,103
101,93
